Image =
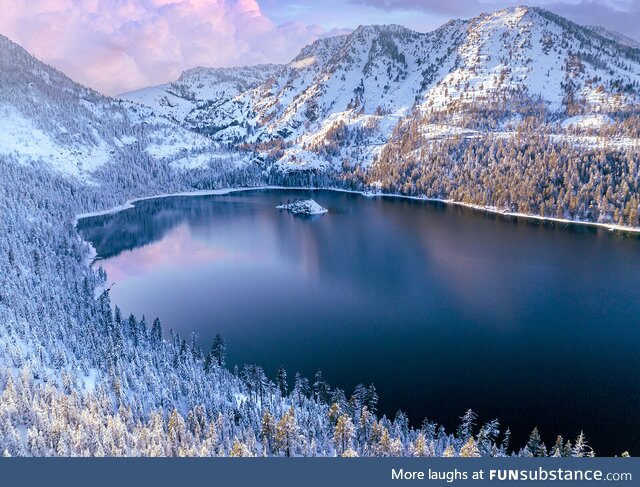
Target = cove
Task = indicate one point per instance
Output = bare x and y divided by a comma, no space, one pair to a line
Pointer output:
443,307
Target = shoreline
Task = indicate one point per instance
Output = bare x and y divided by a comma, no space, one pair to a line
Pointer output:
487,209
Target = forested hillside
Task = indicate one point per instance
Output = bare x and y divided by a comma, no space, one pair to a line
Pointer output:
532,171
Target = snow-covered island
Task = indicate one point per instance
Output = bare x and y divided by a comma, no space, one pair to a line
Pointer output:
303,207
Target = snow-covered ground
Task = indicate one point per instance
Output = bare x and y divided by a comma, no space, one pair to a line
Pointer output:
20,138
594,121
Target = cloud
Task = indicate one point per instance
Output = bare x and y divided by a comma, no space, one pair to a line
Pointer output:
120,45
618,15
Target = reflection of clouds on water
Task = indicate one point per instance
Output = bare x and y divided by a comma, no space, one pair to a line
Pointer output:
177,248
473,279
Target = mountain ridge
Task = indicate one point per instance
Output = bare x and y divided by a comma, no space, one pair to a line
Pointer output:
341,97
76,130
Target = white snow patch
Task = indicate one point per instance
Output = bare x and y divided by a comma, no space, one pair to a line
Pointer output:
303,63
21,138
587,121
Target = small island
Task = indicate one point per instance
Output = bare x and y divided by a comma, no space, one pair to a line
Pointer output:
303,207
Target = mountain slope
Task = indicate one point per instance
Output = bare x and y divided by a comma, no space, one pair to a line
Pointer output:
337,103
539,56
615,36
340,97
196,95
46,116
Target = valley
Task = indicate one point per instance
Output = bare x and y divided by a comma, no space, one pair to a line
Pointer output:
518,111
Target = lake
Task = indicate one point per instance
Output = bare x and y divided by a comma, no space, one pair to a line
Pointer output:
443,308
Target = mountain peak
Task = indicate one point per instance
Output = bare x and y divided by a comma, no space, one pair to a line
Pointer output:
614,36
377,29
512,15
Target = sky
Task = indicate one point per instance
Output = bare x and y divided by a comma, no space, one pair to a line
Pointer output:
116,46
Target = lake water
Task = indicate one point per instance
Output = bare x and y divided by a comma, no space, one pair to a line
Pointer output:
442,307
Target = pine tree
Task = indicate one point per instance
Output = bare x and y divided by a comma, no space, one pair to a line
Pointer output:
469,449
487,438
556,450
581,447
282,381
219,350
343,434
334,413
239,449
320,388
465,430
156,332
176,431
420,446
287,433
384,445
267,431
535,445
371,399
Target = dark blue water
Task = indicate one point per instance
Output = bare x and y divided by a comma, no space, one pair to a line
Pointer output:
443,308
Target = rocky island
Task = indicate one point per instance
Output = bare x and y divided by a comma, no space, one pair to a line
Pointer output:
303,207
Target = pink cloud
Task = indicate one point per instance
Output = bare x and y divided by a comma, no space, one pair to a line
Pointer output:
120,45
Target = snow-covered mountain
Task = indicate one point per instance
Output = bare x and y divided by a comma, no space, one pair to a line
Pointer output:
46,116
539,55
193,99
615,36
339,100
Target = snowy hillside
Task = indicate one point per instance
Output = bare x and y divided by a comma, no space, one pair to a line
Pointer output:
538,55
196,95
46,116
615,36
339,98
337,103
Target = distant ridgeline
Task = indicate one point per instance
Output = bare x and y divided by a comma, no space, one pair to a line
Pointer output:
519,110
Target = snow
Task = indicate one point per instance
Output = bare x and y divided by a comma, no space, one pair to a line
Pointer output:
168,104
190,99
21,138
587,121
303,63
90,380
615,36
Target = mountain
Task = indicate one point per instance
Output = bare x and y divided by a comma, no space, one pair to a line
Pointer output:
199,92
45,116
615,36
361,83
338,102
